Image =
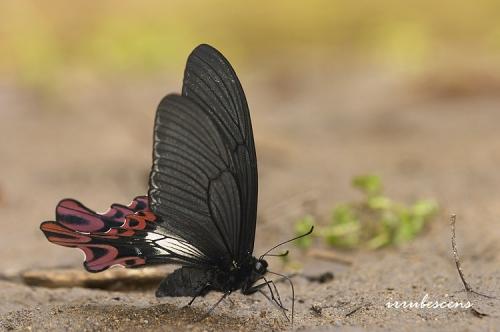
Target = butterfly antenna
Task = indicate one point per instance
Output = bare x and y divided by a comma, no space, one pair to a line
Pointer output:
282,243
283,254
291,285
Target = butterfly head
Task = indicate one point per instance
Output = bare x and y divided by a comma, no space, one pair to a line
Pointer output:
260,267
255,271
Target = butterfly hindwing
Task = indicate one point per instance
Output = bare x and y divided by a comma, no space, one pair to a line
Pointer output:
94,233
124,235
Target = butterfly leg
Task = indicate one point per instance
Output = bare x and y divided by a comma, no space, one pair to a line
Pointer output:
291,286
214,306
278,306
259,287
278,301
255,288
202,289
273,300
271,282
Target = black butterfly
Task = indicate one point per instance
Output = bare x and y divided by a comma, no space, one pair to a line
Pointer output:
202,203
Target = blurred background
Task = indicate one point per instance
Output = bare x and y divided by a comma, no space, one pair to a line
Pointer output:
45,44
406,89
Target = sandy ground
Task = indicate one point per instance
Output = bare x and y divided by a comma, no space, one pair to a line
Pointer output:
314,131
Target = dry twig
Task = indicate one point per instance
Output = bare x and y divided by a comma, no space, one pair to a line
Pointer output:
353,311
329,256
468,288
111,279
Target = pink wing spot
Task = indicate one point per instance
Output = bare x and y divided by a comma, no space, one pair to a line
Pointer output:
69,237
77,217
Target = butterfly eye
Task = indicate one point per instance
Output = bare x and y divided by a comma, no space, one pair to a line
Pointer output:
260,266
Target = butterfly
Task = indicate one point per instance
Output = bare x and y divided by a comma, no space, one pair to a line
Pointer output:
201,208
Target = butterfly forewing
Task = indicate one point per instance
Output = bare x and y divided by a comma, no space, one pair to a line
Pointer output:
193,187
211,82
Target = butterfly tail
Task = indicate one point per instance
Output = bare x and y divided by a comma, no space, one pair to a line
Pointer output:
117,237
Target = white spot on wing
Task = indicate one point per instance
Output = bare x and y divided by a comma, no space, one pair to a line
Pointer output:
154,236
179,247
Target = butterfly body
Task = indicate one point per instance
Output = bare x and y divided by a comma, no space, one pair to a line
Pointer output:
192,281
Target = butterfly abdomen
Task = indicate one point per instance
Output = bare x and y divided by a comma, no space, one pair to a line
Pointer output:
185,281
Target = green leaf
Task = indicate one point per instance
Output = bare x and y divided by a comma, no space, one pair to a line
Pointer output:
369,184
343,214
424,208
380,240
379,203
346,235
375,222
344,230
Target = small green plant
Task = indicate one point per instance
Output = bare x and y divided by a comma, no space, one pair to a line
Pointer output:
374,222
